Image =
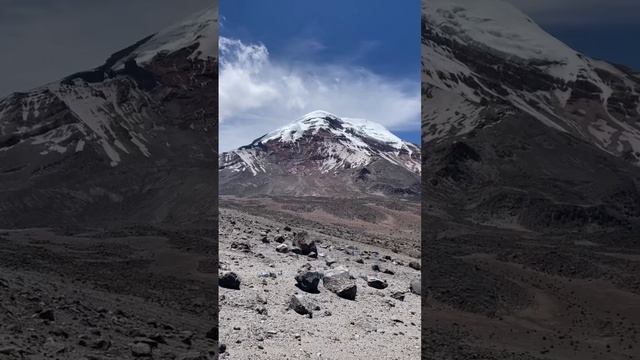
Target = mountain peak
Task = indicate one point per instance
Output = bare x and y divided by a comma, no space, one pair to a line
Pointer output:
318,114
322,154
500,28
324,143
480,53
356,133
198,31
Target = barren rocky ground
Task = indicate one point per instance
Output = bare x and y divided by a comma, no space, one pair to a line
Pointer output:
521,295
135,292
323,297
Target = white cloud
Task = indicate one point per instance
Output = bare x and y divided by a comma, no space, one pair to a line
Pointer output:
258,95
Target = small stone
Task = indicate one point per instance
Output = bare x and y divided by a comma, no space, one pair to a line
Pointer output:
415,286
186,337
398,295
376,283
415,265
282,248
301,305
47,315
262,310
240,246
159,338
101,344
303,241
59,332
308,281
54,347
229,280
141,350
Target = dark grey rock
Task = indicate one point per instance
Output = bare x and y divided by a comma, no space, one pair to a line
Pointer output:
308,281
303,241
229,280
301,304
415,286
339,281
376,283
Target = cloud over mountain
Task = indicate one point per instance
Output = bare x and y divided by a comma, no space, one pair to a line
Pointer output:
259,93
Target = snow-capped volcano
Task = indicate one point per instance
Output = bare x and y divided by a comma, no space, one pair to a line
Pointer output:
113,106
487,51
352,129
522,131
151,104
325,145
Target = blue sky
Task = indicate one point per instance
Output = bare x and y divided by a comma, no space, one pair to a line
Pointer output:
615,43
45,40
377,34
356,58
604,29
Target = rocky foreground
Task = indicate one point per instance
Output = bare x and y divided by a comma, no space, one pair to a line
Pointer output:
136,293
294,293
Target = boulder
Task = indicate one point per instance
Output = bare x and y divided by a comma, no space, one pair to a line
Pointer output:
305,243
301,304
308,281
376,283
340,282
229,280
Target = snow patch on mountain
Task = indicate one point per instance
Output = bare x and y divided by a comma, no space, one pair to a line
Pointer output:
105,112
335,144
499,26
351,128
480,52
200,29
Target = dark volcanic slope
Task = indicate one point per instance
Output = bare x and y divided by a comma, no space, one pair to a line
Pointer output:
130,140
323,155
521,174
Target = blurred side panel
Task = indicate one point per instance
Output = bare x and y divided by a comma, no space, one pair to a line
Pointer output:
108,182
530,187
